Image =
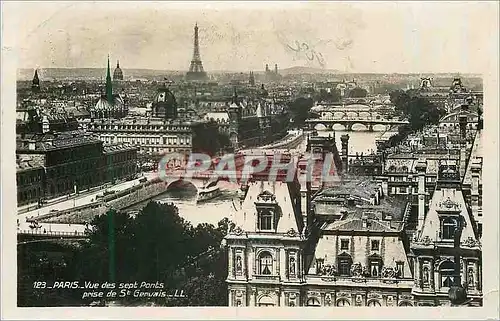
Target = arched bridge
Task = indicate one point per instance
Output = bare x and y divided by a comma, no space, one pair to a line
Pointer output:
349,122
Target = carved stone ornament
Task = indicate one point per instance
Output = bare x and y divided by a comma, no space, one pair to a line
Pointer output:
356,269
328,299
405,297
449,204
239,293
237,231
388,272
292,233
374,295
266,197
426,241
342,294
328,270
470,242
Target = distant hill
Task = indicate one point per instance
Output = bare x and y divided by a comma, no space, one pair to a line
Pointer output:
100,73
92,73
306,70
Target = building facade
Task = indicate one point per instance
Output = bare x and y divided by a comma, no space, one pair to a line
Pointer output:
55,164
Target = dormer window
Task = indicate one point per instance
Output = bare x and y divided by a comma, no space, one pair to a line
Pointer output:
266,218
344,245
448,228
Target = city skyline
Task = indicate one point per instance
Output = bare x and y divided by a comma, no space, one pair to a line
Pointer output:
160,36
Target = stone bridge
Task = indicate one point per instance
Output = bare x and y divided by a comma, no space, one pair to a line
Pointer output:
348,123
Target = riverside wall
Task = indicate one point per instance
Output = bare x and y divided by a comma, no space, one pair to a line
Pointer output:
119,200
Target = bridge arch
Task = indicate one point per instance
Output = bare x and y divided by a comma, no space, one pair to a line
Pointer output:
339,115
320,127
352,114
380,127
360,127
182,184
339,127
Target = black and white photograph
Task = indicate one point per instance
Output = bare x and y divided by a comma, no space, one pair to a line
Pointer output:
246,155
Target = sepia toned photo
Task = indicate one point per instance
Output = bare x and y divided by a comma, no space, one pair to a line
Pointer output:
237,155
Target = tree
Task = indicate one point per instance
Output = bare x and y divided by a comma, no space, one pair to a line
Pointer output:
418,110
156,245
207,138
328,97
358,92
299,110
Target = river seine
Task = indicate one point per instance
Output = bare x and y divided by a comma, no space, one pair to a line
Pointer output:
214,210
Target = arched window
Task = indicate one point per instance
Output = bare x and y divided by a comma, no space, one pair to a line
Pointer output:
266,301
344,262
447,273
343,303
374,303
265,263
405,304
313,302
449,226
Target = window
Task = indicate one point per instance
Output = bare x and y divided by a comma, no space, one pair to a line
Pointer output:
480,229
374,303
266,301
405,304
313,302
265,219
266,264
400,269
448,228
447,273
319,265
344,245
344,264
375,245
343,303
375,264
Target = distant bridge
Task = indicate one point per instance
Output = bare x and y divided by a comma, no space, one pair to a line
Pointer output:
348,122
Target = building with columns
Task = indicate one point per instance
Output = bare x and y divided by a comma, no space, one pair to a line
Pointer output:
446,234
355,256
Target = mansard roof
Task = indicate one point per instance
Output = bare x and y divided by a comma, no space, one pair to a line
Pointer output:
281,193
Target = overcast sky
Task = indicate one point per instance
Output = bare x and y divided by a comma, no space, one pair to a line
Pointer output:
352,37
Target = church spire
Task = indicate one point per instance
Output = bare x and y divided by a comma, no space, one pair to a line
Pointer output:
35,85
109,86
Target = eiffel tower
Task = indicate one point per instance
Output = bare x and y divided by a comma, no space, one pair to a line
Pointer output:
196,71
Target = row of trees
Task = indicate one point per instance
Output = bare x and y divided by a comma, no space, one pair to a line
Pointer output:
418,110
156,245
207,139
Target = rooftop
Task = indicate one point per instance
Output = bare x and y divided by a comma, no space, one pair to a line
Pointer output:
51,141
111,148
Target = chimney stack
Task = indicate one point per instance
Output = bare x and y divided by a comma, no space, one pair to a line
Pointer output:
421,168
364,220
345,152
